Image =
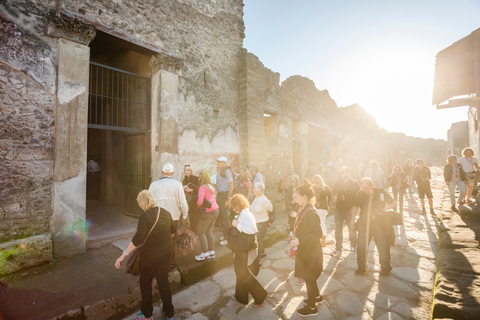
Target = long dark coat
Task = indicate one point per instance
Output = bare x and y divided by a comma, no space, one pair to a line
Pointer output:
309,256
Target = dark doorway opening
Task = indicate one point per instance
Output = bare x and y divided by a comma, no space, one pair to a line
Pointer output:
118,137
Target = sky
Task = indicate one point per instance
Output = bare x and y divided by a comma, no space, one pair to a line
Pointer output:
379,54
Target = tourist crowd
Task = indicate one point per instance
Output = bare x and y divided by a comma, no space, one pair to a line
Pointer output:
236,204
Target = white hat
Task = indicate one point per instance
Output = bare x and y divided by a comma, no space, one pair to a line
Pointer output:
168,168
224,159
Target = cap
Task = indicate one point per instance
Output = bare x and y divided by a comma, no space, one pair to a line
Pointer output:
224,159
168,168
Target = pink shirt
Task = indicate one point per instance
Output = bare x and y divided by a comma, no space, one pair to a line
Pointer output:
209,194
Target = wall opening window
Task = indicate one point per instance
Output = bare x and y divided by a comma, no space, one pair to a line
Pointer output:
270,121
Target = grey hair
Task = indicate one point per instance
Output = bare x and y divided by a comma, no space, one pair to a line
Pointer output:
259,186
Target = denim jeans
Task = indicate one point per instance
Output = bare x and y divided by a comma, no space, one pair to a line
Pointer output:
204,230
461,187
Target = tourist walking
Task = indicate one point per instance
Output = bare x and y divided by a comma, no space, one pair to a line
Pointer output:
224,182
323,200
309,253
344,192
207,214
422,176
398,182
329,175
470,165
455,177
376,174
190,187
408,170
373,223
246,283
260,208
157,224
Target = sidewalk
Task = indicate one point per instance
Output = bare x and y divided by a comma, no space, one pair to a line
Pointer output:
457,294
88,286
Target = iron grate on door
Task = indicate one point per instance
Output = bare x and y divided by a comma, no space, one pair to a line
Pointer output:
118,100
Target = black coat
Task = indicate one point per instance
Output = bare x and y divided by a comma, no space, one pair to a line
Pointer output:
448,171
309,256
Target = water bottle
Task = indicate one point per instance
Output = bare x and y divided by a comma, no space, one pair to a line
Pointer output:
292,237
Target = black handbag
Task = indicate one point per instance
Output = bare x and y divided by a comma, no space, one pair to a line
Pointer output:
238,240
133,262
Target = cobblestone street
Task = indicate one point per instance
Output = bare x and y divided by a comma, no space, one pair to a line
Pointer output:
406,294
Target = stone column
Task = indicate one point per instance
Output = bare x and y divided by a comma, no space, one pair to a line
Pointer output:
166,70
71,123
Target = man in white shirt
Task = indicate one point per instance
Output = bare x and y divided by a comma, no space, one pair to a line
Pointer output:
169,195
376,174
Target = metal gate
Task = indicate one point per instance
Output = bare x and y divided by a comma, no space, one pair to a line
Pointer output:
136,171
120,101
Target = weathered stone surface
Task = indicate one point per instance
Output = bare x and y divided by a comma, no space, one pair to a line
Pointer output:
194,297
417,276
290,306
225,278
389,316
18,254
463,260
407,312
458,238
382,300
457,295
264,312
274,253
288,264
342,309
356,283
197,316
327,284
101,310
269,280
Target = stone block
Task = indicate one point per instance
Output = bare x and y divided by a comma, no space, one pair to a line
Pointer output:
463,260
18,254
458,238
457,296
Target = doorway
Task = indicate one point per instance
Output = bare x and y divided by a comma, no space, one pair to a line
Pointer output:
118,136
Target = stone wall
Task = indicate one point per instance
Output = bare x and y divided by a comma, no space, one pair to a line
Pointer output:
43,105
280,124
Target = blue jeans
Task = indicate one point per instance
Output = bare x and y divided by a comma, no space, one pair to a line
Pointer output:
340,217
461,187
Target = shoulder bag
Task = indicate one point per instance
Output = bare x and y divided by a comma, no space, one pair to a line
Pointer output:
133,262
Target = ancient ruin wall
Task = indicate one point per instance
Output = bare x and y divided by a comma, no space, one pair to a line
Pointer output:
205,35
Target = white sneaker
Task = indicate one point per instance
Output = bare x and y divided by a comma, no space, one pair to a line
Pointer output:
222,238
223,242
202,256
212,255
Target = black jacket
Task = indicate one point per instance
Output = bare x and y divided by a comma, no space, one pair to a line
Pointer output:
448,171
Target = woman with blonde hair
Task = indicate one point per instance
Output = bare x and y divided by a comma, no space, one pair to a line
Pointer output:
246,282
156,224
207,216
